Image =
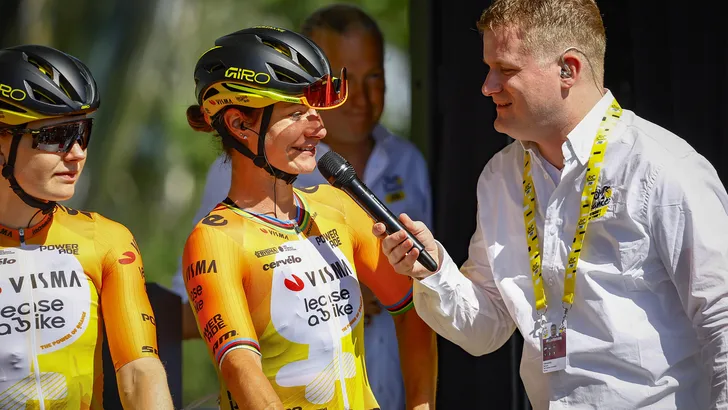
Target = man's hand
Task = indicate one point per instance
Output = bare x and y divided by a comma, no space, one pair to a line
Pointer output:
398,248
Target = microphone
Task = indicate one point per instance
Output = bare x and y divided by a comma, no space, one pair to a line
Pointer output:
339,173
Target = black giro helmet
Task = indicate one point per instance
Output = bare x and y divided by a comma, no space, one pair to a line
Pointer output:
257,67
38,82
262,65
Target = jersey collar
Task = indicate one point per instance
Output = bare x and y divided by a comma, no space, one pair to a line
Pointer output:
27,233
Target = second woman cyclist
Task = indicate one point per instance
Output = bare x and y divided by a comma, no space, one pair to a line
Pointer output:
64,273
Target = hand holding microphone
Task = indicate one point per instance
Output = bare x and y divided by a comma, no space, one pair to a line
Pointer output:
404,245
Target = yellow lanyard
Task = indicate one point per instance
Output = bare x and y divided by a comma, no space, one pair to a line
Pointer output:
529,214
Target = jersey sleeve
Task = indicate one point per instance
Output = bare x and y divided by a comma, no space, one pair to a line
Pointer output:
128,317
393,290
213,274
217,185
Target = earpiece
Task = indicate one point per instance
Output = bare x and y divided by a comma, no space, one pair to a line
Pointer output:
565,71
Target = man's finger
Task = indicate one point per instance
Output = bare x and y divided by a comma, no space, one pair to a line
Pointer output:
411,257
391,241
415,227
407,221
379,230
399,252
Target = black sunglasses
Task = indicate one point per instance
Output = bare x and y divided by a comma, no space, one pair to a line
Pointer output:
59,137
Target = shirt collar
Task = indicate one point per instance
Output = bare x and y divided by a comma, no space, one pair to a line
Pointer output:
580,140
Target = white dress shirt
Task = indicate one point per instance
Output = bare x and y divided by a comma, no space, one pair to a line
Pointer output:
648,325
397,174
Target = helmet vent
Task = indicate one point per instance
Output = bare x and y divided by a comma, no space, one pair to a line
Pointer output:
41,94
216,66
8,107
280,47
68,89
283,74
210,93
291,53
44,68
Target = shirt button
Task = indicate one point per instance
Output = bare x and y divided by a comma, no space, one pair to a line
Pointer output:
551,282
553,230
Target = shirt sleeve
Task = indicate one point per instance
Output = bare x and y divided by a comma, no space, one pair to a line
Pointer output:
213,276
688,220
393,290
127,314
217,185
465,305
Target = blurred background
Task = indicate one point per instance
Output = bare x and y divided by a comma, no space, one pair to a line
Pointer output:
146,167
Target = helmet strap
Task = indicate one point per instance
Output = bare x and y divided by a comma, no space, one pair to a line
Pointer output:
260,160
8,172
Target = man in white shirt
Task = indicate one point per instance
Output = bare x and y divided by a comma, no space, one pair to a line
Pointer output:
392,168
618,285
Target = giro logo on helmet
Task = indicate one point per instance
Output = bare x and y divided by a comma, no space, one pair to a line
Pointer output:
247,75
10,92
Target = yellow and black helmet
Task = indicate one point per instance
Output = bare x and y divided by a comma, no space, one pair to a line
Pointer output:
39,82
262,65
258,67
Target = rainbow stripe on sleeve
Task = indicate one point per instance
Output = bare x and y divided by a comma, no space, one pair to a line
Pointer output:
405,304
239,343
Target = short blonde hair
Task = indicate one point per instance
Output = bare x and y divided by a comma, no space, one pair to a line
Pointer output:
551,26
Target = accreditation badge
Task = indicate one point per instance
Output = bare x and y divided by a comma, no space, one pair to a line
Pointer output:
553,347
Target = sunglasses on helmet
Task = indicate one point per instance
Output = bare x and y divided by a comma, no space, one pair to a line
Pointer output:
326,93
59,137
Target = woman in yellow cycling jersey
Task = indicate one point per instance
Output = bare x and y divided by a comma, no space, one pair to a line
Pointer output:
273,272
63,273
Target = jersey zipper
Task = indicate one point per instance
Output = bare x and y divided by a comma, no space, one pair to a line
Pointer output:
33,341
336,338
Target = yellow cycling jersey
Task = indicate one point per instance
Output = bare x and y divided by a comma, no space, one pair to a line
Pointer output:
289,291
57,279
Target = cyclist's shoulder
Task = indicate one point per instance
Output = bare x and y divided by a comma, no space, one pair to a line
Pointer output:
92,225
220,218
74,217
220,224
324,198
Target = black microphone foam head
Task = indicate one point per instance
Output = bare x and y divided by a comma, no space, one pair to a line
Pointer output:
336,169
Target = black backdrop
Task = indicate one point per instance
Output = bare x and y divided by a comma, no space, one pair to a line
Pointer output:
665,60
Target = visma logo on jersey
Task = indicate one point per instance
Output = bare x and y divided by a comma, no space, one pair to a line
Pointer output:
339,269
200,267
328,293
52,279
55,304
